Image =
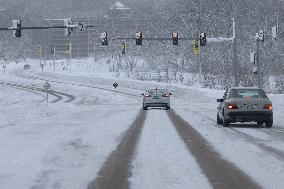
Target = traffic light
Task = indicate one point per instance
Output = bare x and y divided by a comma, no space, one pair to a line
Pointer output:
274,32
175,38
252,57
52,49
81,27
17,24
138,38
123,48
39,48
104,38
261,35
68,29
68,48
202,39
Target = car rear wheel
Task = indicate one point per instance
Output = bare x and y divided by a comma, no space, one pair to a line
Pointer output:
168,107
226,123
144,107
219,121
269,123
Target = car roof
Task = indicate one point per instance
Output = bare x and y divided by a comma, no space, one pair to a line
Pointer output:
156,89
245,88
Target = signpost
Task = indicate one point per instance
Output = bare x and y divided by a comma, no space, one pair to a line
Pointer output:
46,86
4,68
115,85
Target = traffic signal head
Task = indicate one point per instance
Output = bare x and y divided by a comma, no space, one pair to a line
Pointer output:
81,27
52,49
274,32
261,35
104,38
123,48
175,38
17,24
68,29
202,39
138,38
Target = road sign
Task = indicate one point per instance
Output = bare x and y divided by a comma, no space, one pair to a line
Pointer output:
115,85
196,47
46,86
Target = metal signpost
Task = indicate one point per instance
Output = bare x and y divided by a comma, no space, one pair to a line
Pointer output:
4,68
115,85
46,86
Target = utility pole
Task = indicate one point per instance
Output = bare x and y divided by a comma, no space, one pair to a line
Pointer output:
199,54
236,63
94,50
54,51
258,65
70,54
199,61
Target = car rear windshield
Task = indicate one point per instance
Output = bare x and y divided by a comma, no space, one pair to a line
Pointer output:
247,93
157,92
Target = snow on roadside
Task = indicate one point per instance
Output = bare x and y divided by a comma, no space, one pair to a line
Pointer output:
162,161
63,151
263,167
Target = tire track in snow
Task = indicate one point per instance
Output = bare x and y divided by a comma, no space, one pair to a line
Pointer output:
58,95
31,77
221,173
115,172
257,141
29,91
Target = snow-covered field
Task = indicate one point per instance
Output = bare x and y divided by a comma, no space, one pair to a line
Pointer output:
64,143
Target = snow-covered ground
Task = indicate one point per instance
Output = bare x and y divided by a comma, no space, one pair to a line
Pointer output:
64,144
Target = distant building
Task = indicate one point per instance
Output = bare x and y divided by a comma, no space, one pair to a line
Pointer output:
119,10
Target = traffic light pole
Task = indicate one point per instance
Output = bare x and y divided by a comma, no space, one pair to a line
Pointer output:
199,63
236,63
258,63
54,59
70,55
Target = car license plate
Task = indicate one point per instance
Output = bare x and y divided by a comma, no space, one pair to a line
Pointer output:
156,97
249,106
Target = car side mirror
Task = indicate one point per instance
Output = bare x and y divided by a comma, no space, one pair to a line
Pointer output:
220,100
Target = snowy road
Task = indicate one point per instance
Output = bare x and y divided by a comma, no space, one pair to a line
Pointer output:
92,136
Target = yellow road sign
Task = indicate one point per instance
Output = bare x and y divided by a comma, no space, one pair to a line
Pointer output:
196,47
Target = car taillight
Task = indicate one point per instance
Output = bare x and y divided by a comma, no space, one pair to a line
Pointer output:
268,107
232,106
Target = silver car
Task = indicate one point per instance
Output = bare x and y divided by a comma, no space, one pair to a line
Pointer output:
245,105
156,98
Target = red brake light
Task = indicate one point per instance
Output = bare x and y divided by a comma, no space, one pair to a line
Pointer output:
232,106
268,107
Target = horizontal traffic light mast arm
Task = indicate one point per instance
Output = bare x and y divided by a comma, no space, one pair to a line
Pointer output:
151,39
43,27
